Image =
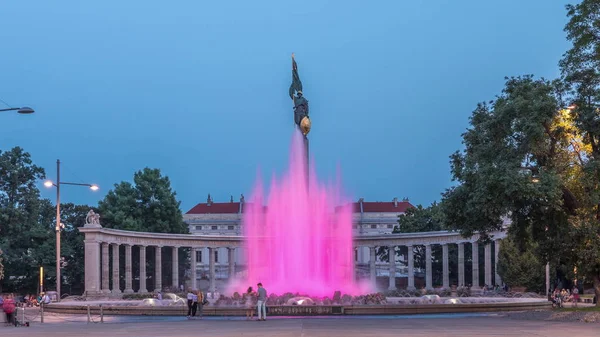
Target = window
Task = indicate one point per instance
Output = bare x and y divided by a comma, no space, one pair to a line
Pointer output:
214,228
390,226
198,228
373,226
356,255
230,228
216,256
198,256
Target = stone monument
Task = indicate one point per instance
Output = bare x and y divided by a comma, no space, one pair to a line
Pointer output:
301,119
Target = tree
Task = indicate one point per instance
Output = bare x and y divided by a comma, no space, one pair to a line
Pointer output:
21,229
72,247
147,205
525,158
520,267
580,67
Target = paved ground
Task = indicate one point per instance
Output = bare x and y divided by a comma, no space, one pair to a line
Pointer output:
380,326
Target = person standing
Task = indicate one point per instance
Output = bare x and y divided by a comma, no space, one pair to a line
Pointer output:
201,300
250,296
190,301
262,303
9,309
194,303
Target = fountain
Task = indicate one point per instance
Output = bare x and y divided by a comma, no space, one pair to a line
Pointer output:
300,242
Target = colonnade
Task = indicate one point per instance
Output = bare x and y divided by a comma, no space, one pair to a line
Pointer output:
97,253
489,277
100,241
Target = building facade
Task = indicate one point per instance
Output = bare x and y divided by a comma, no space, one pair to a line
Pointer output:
226,219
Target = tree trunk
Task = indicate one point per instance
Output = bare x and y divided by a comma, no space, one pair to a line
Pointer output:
597,289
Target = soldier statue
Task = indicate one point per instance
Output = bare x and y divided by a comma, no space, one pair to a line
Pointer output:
300,103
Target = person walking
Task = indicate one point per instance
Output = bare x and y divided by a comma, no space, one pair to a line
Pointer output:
262,303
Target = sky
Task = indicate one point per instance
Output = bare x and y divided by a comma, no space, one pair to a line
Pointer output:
199,89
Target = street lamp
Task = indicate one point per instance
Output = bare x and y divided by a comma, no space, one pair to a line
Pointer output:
23,110
49,183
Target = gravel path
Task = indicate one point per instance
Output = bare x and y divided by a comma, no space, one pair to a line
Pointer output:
557,316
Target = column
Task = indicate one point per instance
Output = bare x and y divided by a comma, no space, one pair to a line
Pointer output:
475,251
211,268
372,270
193,267
175,271
116,284
392,261
128,273
105,270
496,251
411,268
461,264
92,272
445,269
428,271
487,250
231,258
143,270
158,268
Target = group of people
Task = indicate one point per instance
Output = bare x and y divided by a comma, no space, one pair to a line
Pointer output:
565,295
195,300
256,299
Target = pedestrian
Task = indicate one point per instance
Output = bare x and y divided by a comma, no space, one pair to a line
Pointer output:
201,302
262,303
194,303
9,309
250,295
190,301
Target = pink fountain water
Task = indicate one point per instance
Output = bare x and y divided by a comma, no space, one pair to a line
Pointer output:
302,240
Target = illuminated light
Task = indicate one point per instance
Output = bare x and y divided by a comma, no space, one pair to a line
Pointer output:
94,187
48,183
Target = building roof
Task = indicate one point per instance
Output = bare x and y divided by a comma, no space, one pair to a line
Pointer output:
215,208
380,207
368,207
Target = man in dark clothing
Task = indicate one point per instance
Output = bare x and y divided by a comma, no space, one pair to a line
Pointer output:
300,103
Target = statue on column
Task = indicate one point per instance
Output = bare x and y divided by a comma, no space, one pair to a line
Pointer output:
92,219
301,118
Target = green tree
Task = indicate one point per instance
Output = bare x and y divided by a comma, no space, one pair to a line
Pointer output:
522,160
520,267
21,219
72,248
147,205
580,68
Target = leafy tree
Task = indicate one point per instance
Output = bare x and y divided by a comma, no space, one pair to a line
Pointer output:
21,230
580,68
520,267
147,205
72,247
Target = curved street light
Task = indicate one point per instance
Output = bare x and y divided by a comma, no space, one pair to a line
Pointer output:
23,110
50,183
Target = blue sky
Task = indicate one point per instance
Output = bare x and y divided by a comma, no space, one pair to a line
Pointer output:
199,88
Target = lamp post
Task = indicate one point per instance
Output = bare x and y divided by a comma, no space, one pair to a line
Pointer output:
49,183
23,110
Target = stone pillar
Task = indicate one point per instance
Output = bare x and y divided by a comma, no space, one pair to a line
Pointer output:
411,268
158,268
211,268
372,270
231,257
428,271
143,270
461,264
92,270
116,284
175,270
445,269
193,267
105,270
392,262
128,273
487,249
496,251
475,251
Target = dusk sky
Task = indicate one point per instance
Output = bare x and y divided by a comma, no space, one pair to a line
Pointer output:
199,88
